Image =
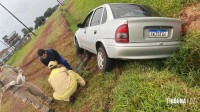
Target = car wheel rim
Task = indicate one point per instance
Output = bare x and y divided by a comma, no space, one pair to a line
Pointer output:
100,60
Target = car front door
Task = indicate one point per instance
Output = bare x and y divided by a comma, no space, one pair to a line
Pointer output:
92,31
82,35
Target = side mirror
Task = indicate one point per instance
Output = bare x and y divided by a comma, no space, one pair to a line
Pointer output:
80,25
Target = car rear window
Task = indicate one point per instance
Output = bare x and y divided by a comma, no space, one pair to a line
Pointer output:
132,10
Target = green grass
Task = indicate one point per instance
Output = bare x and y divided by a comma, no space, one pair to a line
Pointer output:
12,59
186,61
71,21
146,89
56,31
166,8
144,85
132,85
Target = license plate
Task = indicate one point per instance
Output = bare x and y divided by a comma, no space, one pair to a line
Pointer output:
158,33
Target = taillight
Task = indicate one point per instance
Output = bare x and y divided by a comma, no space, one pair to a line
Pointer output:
182,29
121,34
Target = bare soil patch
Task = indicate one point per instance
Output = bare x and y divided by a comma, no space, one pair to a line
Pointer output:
191,17
39,44
33,67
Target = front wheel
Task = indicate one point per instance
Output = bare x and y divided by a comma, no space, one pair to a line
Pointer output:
103,61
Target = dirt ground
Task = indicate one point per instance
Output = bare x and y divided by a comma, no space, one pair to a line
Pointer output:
32,66
32,61
191,17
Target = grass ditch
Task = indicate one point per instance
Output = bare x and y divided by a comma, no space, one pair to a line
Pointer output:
146,85
186,61
146,88
165,8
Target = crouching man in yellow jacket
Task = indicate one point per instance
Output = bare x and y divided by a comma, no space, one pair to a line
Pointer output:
63,81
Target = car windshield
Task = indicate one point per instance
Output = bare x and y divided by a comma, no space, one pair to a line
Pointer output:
132,10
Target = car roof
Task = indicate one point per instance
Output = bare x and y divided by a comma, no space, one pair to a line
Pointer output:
108,4
123,3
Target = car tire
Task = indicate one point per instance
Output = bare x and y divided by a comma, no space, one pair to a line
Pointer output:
78,49
103,61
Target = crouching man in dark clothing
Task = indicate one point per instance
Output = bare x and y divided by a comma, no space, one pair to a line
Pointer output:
12,80
52,55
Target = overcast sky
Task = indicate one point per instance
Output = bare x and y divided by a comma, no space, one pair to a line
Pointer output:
25,10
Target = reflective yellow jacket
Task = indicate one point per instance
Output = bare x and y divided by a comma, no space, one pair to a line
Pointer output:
63,83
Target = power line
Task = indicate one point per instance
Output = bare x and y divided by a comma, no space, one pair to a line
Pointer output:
17,19
59,2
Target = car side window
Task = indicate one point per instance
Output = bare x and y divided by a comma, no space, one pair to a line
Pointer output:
97,17
87,20
104,18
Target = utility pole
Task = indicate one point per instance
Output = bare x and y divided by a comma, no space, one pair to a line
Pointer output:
59,2
17,19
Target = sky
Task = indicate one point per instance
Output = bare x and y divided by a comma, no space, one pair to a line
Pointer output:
24,10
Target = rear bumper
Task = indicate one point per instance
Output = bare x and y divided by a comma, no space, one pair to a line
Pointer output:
141,51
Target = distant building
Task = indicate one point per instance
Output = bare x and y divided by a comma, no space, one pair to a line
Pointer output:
13,40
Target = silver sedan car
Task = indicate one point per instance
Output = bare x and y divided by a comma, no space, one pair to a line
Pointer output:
127,31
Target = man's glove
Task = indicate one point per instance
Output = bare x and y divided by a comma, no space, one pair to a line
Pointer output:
20,79
7,86
12,83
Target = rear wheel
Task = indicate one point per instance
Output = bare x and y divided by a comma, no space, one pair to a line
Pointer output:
103,61
78,49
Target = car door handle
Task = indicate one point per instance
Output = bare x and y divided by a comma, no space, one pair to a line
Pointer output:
95,31
85,31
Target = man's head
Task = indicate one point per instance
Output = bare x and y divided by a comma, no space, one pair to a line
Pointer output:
42,53
52,65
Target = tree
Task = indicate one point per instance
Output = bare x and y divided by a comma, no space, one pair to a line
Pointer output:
48,13
55,7
39,21
24,31
31,28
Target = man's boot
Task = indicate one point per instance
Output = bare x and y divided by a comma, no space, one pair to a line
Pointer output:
51,110
72,99
49,100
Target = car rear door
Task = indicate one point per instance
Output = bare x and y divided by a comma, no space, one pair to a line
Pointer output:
93,30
